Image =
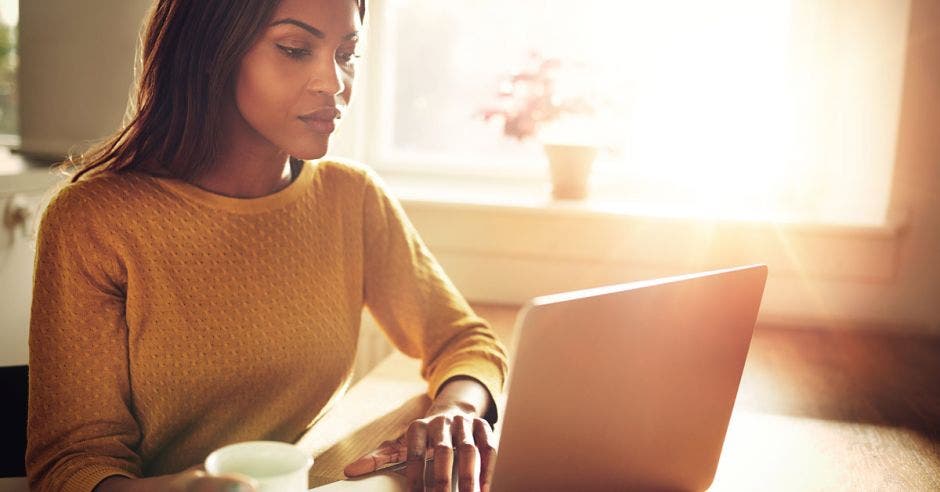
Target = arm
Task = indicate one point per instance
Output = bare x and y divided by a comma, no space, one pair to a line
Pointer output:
188,481
426,317
80,428
82,434
417,305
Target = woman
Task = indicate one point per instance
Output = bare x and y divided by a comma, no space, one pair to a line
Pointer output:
200,280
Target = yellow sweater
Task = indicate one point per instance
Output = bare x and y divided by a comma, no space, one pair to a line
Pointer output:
168,321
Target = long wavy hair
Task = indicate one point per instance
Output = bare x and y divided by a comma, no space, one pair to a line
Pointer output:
189,55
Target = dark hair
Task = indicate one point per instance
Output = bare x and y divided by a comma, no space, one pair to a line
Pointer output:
184,71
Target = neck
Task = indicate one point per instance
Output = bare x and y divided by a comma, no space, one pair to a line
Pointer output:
249,167
246,177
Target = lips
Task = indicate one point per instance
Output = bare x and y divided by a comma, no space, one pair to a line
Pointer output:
326,113
322,120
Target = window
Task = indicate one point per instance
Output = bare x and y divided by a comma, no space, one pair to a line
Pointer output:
9,16
780,109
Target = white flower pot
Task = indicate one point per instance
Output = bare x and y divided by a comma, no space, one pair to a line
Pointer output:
570,168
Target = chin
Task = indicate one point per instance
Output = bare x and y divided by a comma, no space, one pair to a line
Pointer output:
306,154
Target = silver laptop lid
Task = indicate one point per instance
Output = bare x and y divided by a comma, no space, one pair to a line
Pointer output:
627,386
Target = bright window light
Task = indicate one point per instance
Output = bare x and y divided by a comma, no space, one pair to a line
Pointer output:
9,12
773,110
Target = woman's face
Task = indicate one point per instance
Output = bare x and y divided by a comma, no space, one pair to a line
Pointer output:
296,80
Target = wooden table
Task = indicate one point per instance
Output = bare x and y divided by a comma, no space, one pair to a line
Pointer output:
802,419
377,408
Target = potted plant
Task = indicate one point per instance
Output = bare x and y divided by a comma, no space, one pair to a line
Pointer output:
532,99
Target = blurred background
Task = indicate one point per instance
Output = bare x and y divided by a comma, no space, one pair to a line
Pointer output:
797,133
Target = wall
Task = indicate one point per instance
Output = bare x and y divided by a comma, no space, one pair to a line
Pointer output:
76,70
915,292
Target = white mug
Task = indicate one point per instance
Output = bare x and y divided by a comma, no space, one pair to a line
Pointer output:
276,466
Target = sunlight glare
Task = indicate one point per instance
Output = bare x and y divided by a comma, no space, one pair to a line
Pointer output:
709,103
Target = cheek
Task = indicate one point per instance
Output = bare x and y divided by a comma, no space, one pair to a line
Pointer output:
263,92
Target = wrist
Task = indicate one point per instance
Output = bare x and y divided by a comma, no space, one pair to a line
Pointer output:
461,395
453,408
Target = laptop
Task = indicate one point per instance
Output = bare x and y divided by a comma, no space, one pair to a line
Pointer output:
623,387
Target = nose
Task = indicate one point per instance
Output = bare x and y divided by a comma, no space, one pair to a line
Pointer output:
327,77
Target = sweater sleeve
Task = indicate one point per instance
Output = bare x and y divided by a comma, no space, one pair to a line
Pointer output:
80,429
421,311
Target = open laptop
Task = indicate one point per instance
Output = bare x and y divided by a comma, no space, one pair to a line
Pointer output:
623,387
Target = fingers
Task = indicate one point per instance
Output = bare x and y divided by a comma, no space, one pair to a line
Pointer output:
416,439
468,457
200,481
387,452
486,444
442,464
229,483
467,441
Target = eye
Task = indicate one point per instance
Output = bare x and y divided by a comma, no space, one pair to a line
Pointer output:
295,53
348,58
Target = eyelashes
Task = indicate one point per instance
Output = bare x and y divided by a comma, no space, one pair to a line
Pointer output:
295,53
346,58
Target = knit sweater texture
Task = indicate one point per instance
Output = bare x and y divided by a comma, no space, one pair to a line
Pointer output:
168,321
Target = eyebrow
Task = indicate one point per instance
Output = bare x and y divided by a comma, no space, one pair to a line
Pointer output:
312,30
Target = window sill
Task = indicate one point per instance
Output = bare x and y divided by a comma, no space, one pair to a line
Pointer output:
527,197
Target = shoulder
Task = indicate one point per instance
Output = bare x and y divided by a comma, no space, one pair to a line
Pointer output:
350,181
343,169
349,176
97,198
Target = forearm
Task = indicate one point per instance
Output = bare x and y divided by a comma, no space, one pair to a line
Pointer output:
122,484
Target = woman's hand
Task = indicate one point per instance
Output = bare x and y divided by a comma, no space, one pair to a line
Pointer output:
431,446
191,480
450,433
